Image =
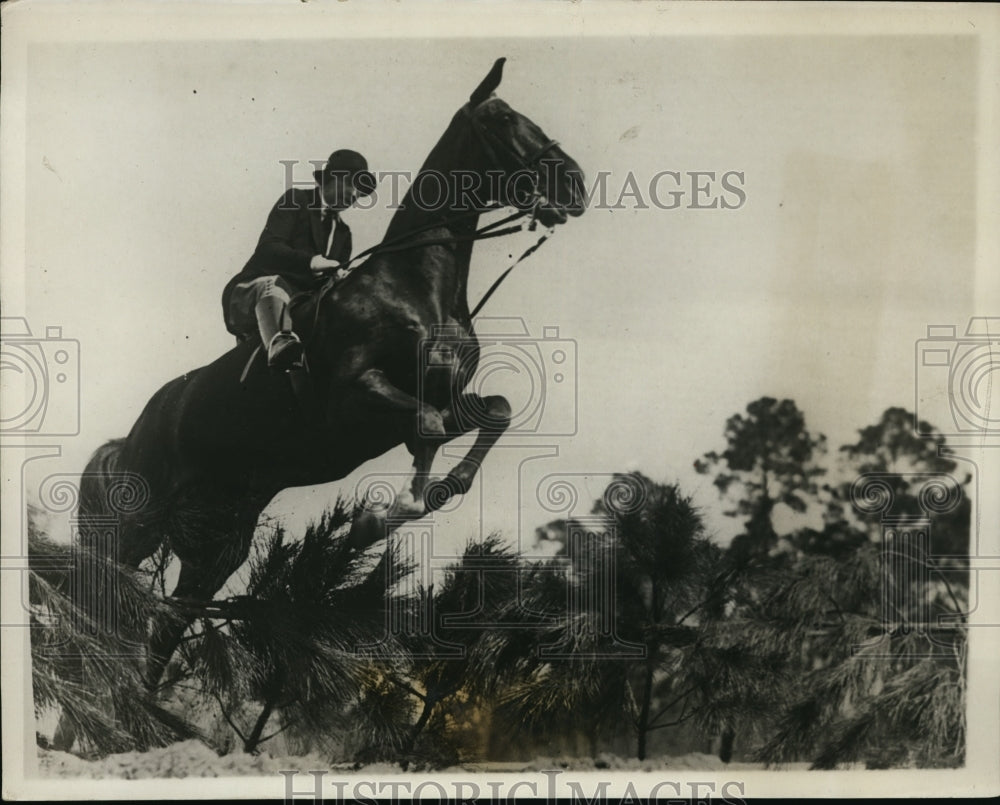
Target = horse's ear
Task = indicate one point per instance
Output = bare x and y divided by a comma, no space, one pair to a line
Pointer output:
488,84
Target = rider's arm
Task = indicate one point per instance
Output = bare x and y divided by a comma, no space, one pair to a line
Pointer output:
274,248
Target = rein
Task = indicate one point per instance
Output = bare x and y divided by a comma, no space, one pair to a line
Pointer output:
490,143
398,244
496,283
483,233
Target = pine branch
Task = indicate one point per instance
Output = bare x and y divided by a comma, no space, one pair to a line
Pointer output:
225,715
688,717
720,584
633,705
951,593
276,732
666,708
408,688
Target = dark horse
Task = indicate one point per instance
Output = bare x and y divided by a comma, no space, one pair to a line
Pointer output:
212,448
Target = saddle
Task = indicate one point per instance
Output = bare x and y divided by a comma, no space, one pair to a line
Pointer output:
303,308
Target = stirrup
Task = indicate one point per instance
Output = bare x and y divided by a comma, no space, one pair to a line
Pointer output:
288,356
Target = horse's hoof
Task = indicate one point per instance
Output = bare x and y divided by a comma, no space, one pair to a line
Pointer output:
406,507
367,529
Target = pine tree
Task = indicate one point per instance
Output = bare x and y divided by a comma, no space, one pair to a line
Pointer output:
447,676
906,461
860,692
665,659
84,661
872,626
770,459
289,647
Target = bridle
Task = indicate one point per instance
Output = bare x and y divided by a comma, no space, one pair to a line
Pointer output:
491,144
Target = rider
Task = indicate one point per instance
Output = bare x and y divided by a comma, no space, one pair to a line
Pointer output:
304,239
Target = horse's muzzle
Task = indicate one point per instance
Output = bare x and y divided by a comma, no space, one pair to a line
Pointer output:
549,215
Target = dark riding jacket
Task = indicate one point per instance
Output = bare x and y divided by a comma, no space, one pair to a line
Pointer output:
294,233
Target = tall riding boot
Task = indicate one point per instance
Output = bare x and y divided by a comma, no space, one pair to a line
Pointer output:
284,350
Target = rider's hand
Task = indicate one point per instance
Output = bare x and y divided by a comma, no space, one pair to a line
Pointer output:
322,266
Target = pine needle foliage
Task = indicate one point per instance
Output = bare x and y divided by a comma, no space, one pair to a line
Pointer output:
291,643
446,675
863,689
87,662
666,661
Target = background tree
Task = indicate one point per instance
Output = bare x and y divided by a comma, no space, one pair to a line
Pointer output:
905,465
665,662
873,640
858,692
892,447
770,458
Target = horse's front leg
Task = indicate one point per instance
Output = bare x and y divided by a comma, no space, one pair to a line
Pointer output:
427,432
423,451
491,417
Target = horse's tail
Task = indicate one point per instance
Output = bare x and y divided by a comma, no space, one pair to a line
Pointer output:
98,475
111,510
110,502
107,498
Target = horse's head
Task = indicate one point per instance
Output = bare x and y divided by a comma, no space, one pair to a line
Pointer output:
535,170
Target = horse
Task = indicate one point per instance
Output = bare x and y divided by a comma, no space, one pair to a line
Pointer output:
389,350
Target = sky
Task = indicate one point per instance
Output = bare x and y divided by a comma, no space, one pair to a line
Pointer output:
151,166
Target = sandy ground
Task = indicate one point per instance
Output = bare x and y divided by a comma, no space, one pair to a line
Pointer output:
194,759
185,759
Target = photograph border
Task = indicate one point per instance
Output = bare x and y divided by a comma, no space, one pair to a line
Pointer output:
28,22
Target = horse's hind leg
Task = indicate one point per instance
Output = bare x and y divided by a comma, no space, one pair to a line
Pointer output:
205,567
196,583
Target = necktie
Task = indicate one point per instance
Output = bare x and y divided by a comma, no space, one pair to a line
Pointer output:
332,220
